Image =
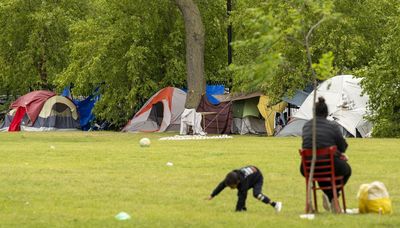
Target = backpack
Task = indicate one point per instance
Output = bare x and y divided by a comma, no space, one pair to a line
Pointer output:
374,197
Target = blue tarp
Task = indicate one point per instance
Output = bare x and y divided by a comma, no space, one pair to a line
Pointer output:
84,107
214,90
67,92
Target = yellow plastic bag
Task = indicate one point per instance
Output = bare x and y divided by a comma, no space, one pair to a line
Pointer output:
374,198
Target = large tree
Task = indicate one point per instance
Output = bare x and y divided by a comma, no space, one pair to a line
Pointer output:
133,48
194,51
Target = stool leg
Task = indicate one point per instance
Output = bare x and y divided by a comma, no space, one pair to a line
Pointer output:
335,200
315,197
306,208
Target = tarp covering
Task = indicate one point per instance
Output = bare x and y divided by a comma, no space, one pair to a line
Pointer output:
85,108
212,90
162,112
297,99
220,122
268,112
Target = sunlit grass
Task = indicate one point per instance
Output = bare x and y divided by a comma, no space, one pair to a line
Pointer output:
83,179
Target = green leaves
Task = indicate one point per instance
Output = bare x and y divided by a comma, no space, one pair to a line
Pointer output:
381,80
324,69
34,42
134,48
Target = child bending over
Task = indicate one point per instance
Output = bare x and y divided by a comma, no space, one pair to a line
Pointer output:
243,179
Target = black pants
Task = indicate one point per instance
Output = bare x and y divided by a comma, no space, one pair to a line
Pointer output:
342,168
257,191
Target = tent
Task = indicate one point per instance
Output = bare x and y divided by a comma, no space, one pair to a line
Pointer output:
219,118
346,106
41,111
298,98
252,113
246,116
162,112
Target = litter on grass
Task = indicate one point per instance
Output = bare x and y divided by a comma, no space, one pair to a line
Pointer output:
195,137
307,216
122,216
352,211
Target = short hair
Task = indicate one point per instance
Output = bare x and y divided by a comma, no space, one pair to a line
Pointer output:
321,109
232,178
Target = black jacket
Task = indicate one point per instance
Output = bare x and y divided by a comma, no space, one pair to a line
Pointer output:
328,134
248,177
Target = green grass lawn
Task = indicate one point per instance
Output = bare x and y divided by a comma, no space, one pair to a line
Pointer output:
83,179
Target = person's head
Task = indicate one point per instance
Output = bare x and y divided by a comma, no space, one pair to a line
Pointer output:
232,179
321,109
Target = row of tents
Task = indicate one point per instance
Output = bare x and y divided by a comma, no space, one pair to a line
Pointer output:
252,113
222,113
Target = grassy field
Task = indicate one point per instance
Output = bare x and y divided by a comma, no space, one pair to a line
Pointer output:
83,179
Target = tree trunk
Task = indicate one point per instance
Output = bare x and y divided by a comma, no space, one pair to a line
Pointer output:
194,30
314,119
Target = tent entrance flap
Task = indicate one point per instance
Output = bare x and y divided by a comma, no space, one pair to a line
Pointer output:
157,113
16,122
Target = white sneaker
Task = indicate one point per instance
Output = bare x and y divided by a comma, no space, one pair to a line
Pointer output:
325,202
278,207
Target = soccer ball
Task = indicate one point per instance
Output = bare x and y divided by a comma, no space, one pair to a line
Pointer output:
145,142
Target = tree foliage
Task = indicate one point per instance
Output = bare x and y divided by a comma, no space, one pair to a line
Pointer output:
130,49
34,42
355,35
381,80
270,49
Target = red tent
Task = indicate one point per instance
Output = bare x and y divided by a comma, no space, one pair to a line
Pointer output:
31,104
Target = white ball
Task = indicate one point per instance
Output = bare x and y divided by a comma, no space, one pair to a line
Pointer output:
144,142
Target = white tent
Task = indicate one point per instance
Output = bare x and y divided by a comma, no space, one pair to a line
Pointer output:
345,104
